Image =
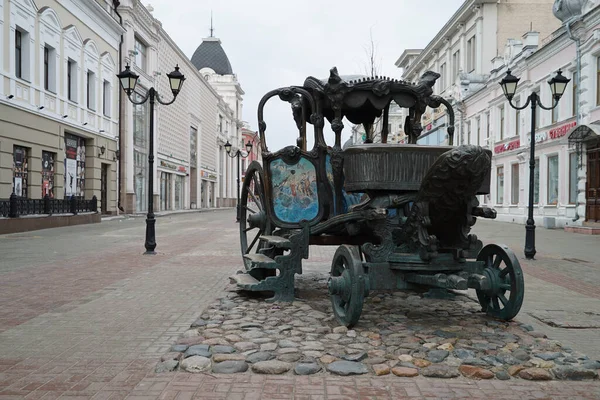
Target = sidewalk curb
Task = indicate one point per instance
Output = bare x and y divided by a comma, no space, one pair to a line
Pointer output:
164,213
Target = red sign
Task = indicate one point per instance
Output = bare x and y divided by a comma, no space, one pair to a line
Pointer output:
501,148
181,169
561,130
428,127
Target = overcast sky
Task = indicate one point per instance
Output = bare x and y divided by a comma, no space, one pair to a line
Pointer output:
275,43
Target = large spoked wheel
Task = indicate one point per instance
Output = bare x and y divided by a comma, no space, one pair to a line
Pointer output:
254,221
504,296
347,285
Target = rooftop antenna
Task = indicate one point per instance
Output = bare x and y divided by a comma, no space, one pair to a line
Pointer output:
211,24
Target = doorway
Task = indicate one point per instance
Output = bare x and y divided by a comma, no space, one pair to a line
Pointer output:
103,189
592,192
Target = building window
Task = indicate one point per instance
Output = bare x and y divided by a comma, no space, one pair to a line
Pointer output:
537,112
442,77
471,51
501,113
20,171
72,80
46,68
517,119
221,169
536,182
106,98
574,101
500,185
193,146
598,81
573,167
455,64
74,182
141,122
179,186
514,184
49,69
18,54
487,128
478,124
220,124
469,132
48,174
91,90
553,179
140,54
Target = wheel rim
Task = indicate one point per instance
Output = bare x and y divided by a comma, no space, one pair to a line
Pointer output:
504,297
253,217
346,285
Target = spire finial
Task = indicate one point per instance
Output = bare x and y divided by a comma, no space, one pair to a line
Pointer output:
211,24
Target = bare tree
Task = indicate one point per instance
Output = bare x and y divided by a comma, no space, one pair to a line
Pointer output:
373,68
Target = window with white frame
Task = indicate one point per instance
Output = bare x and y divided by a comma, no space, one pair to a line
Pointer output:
72,80
91,90
514,183
106,103
469,139
455,64
573,166
49,68
442,77
501,117
471,52
598,81
487,128
553,179
500,185
22,70
140,54
478,132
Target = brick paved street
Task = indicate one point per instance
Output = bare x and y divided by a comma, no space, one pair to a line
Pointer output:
83,314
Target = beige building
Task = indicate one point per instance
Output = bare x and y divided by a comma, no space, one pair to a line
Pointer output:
462,52
59,104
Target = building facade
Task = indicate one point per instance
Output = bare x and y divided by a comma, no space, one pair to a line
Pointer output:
59,103
188,168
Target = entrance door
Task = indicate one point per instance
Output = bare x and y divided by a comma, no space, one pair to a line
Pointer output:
203,194
592,209
103,189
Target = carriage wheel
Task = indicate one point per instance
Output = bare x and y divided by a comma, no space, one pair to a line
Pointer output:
347,285
504,273
254,221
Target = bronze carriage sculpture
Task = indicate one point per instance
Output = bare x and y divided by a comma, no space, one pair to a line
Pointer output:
417,203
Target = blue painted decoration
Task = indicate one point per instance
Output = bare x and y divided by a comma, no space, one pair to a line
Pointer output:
295,195
349,199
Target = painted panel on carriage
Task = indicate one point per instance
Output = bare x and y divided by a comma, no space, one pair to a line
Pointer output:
295,195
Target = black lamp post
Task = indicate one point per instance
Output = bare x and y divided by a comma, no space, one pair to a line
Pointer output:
128,81
558,84
237,155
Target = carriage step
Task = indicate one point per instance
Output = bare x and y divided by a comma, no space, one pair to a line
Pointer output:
259,261
244,281
277,241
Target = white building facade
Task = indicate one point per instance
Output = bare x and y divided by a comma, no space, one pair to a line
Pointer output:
59,103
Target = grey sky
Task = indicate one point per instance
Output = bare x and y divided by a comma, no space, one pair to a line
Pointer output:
275,43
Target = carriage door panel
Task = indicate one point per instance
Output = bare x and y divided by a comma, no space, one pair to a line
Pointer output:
294,190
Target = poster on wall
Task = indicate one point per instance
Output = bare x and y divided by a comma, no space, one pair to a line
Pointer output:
70,177
18,186
48,174
20,171
74,166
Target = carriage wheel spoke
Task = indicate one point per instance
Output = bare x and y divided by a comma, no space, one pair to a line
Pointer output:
505,286
258,204
504,272
254,241
495,303
249,229
503,299
249,209
497,262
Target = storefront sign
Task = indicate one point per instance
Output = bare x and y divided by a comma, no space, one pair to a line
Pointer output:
208,175
501,148
181,169
165,164
561,130
539,137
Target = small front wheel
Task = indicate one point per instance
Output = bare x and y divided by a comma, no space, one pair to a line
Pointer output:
347,285
504,297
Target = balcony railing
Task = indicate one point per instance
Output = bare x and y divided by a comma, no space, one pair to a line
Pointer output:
17,206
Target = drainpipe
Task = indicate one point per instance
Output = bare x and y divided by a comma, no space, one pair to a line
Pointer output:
116,4
578,83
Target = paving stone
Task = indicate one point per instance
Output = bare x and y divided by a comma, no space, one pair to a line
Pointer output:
179,347
260,356
345,368
222,349
549,356
196,364
230,367
289,357
245,346
574,373
220,357
307,368
440,371
471,371
174,355
381,369
502,375
437,356
198,350
166,366
327,359
405,372
535,374
355,357
273,367
287,344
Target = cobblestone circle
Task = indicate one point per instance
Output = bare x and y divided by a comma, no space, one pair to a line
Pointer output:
402,333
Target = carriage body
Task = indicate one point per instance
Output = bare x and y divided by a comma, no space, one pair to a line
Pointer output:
400,213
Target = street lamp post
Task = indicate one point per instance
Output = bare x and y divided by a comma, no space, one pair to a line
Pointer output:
238,153
128,81
558,84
